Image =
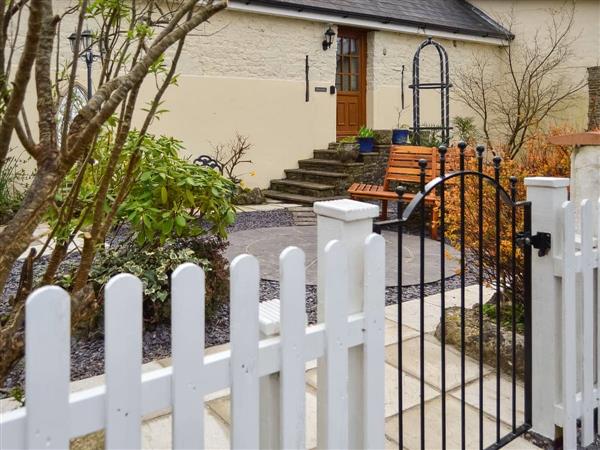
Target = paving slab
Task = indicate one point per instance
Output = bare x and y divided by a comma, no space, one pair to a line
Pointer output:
267,244
156,434
433,438
433,364
411,315
222,408
490,395
410,392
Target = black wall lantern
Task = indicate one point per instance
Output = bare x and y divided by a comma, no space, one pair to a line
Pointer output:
328,41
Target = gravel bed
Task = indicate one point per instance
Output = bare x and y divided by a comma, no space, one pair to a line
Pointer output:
87,354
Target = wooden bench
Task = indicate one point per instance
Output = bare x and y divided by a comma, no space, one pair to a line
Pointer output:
403,168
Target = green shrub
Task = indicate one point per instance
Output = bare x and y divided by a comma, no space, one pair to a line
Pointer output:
154,267
169,196
465,129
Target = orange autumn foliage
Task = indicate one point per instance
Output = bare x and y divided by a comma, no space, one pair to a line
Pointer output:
539,159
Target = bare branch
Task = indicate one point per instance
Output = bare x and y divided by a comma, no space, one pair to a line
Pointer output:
22,76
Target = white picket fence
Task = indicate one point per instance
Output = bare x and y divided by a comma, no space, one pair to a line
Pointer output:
577,266
52,415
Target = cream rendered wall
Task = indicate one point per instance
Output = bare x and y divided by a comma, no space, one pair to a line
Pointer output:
530,16
387,53
239,73
246,73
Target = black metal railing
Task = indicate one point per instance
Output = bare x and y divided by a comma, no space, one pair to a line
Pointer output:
520,216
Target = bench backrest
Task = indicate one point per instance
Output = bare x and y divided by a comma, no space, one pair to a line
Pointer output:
403,164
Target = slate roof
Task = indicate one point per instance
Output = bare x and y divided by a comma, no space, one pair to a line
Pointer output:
455,16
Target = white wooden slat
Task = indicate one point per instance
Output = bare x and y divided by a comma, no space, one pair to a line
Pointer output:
374,347
569,327
268,317
123,361
293,313
187,350
87,408
587,309
245,414
336,351
48,367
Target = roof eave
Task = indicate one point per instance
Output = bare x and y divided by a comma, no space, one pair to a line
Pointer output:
502,34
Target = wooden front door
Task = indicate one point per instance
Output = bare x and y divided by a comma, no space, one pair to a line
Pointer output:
351,82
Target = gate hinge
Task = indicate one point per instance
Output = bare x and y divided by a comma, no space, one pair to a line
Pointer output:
540,241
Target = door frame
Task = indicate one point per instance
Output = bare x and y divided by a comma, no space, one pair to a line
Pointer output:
361,34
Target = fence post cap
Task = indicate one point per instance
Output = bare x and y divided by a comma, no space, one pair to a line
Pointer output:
550,182
346,210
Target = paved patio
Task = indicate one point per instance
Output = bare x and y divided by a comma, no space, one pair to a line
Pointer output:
267,243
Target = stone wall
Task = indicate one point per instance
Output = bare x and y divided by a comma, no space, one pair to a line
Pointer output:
594,98
375,164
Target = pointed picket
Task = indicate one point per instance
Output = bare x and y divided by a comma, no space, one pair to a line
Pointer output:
244,352
187,351
336,350
374,347
569,328
47,367
587,342
293,311
123,361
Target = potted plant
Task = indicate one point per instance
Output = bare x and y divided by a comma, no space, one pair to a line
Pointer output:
366,140
347,149
401,132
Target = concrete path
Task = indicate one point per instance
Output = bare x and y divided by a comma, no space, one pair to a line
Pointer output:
267,243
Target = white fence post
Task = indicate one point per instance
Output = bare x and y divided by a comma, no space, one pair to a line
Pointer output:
47,368
349,222
547,196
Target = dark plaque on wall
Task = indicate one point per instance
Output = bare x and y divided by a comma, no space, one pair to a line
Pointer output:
320,89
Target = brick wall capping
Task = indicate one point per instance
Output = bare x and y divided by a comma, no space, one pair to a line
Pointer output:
587,138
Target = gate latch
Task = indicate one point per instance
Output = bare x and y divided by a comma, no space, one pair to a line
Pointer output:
540,241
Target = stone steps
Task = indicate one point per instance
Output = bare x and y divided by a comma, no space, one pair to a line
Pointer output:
307,188
322,177
316,176
296,198
303,216
330,154
328,165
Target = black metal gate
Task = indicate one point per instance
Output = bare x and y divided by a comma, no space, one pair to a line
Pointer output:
496,251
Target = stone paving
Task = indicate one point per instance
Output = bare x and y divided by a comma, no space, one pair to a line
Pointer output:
267,244
156,430
40,236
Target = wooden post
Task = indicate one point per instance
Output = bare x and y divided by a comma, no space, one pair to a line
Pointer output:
547,196
350,222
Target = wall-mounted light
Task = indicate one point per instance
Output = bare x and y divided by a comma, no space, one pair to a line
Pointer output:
328,41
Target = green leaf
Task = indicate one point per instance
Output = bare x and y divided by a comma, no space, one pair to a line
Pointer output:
164,197
180,221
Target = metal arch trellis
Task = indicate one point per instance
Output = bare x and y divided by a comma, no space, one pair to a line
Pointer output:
444,87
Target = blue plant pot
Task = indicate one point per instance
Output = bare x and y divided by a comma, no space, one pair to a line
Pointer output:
366,144
399,136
